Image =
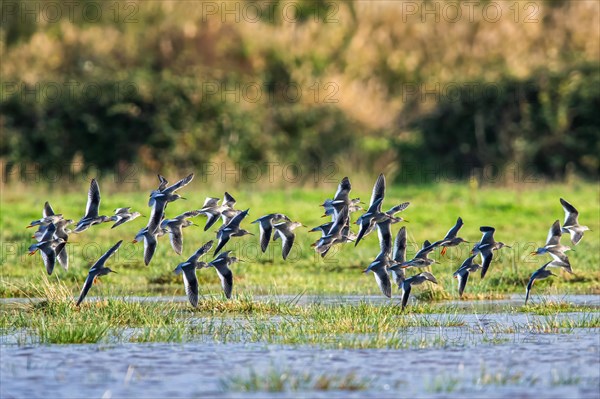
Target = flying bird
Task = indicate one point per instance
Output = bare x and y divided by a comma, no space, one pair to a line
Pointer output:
231,229
463,272
421,258
188,269
221,264
163,183
123,215
98,269
161,198
414,280
486,246
150,243
91,216
285,231
539,274
175,228
265,225
49,248
555,249
399,257
451,239
571,224
379,267
373,214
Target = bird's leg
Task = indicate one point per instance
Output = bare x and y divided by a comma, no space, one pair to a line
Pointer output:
444,249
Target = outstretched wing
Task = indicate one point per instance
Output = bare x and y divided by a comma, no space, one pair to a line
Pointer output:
287,238
62,256
226,277
398,208
486,258
462,277
228,200
378,192
49,256
201,251
265,234
86,287
48,211
554,234
93,202
341,195
176,238
406,287
190,282
181,183
100,262
529,285
571,214
383,281
488,235
149,247
454,230
384,232
157,214
399,254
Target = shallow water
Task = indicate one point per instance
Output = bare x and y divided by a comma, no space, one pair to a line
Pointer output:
195,370
490,354
491,304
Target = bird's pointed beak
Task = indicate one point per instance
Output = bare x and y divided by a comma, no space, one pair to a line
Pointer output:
183,198
112,271
533,253
133,241
32,252
508,246
32,236
407,221
324,216
27,227
143,216
314,244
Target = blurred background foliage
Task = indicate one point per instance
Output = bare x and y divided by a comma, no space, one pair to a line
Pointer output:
370,85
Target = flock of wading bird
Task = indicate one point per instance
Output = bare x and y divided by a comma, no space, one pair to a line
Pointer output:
52,236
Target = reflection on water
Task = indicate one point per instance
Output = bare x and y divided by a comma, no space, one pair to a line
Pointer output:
490,354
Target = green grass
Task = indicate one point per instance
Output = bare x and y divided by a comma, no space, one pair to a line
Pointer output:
521,215
277,380
56,320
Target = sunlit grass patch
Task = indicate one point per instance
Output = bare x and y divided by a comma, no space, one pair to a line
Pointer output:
277,380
